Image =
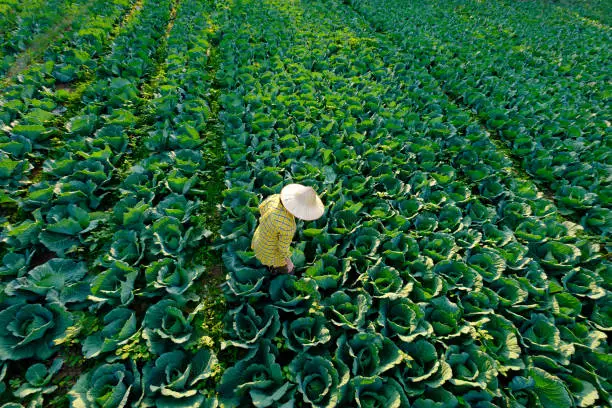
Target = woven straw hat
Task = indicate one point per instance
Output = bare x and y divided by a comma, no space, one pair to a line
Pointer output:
302,201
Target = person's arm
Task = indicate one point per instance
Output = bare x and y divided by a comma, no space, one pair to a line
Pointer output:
290,265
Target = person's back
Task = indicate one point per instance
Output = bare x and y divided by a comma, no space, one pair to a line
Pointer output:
272,239
274,233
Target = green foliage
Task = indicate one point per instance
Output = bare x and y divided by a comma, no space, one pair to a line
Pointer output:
322,382
38,378
256,380
119,328
3,368
116,384
438,270
31,329
59,280
172,379
166,326
440,275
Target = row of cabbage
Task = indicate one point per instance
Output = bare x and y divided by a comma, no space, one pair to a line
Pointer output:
24,23
435,278
9,11
562,68
598,11
543,88
54,297
79,172
156,231
565,44
34,106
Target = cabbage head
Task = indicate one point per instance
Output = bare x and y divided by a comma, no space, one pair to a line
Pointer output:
173,379
425,368
28,330
257,380
248,326
306,332
375,392
169,276
501,342
165,326
119,327
108,385
289,294
384,281
471,367
402,318
348,309
368,354
115,285
321,381
60,280
541,335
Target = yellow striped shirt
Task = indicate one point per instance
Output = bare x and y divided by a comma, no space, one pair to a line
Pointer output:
272,239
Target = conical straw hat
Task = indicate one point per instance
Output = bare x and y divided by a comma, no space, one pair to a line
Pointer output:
302,201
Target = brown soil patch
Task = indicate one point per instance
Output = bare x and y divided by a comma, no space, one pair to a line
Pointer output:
216,271
64,86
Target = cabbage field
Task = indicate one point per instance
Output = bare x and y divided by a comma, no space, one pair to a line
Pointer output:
462,150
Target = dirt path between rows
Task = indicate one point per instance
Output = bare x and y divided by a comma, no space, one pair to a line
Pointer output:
41,42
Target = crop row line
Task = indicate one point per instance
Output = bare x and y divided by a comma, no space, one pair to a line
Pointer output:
157,222
428,244
38,105
63,204
40,43
139,258
35,20
561,144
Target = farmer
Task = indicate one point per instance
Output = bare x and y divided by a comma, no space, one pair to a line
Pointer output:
274,233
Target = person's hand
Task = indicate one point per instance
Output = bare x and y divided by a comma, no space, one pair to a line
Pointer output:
290,265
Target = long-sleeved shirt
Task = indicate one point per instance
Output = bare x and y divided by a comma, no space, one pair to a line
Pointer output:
272,239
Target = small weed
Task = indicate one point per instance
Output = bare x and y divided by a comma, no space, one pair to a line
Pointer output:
136,349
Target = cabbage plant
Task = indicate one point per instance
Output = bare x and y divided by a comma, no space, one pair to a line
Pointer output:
368,354
306,332
257,380
169,276
402,318
471,367
248,325
60,280
425,368
119,327
289,294
321,381
174,377
108,385
348,309
64,227
166,326
378,393
37,382
114,285
31,328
